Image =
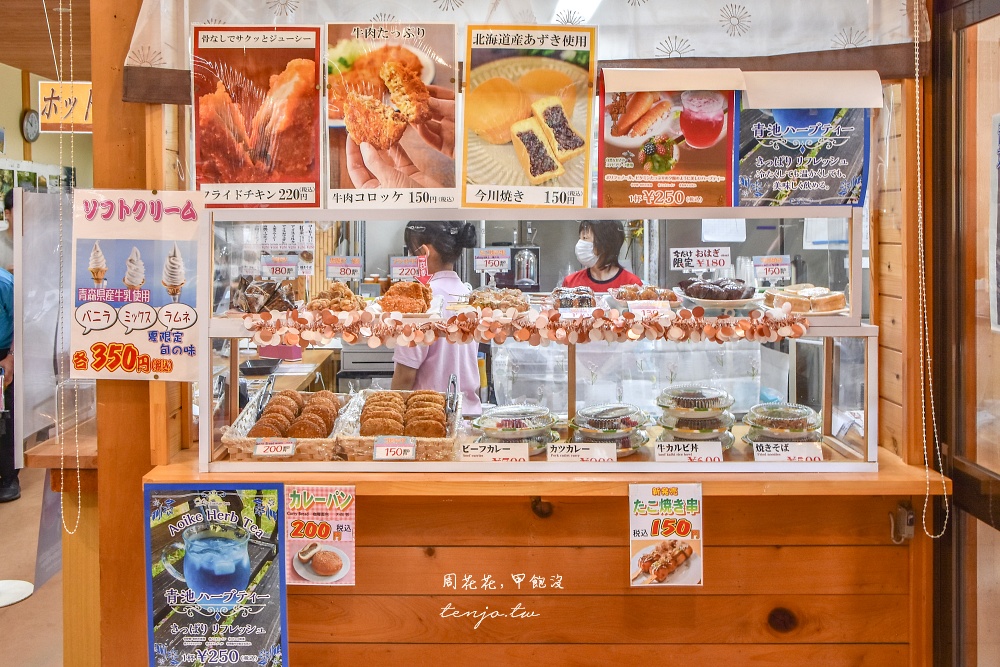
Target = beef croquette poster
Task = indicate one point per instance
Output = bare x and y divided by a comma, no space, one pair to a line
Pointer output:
319,532
391,115
529,94
257,116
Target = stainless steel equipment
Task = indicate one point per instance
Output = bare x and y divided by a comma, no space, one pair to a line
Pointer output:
360,365
523,273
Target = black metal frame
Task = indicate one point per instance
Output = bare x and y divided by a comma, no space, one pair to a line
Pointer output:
976,489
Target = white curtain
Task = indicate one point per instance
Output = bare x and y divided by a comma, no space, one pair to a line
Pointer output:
627,28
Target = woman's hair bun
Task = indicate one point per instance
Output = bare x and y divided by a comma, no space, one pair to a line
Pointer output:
468,236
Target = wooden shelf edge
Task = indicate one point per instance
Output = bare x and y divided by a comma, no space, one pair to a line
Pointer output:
894,478
47,454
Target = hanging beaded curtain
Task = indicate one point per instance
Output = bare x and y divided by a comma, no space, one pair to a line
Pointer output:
628,28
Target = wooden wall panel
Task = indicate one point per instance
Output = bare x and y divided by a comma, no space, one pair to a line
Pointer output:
890,322
891,270
599,655
890,426
890,366
489,521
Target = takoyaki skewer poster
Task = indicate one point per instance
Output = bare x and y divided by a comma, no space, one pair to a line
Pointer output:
666,535
257,121
391,91
529,94
138,307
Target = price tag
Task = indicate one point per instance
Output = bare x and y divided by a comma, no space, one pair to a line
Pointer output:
343,268
772,267
696,260
492,260
576,313
703,451
281,267
404,268
591,452
799,452
496,452
274,447
306,269
395,448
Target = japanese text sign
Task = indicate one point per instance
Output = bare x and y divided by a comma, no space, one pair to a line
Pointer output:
697,260
137,261
319,535
772,267
215,575
343,268
678,451
66,106
492,260
795,452
665,524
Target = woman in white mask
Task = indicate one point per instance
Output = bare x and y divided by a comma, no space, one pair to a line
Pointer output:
598,248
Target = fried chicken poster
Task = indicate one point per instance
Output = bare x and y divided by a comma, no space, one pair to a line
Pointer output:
257,116
528,109
391,114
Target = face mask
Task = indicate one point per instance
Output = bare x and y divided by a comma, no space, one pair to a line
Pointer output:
585,253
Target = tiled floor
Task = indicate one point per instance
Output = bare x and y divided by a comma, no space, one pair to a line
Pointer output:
31,630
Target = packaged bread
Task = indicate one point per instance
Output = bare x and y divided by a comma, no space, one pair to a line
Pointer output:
534,153
563,139
493,107
545,82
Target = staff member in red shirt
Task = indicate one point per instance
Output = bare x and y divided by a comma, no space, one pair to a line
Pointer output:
598,248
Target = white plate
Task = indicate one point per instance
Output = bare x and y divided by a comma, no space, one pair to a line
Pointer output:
426,73
669,124
305,570
730,304
491,164
686,575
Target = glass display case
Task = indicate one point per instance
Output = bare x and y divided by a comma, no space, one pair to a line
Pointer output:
274,302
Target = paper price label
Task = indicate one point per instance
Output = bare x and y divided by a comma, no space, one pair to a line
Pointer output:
394,448
703,451
344,268
496,452
589,452
274,448
695,260
305,269
280,267
492,260
772,267
404,268
798,452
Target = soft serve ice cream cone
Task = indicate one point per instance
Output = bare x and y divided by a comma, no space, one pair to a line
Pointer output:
173,274
135,270
98,266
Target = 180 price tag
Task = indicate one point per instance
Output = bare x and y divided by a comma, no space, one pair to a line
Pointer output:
282,267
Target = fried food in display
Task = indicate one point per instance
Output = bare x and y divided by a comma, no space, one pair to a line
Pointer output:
402,304
223,141
328,416
276,420
289,412
264,431
381,427
434,397
433,414
284,401
304,427
295,396
381,412
424,428
283,131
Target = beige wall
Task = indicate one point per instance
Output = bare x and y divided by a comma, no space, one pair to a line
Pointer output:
46,149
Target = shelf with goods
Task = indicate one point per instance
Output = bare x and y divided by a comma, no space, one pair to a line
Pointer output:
824,337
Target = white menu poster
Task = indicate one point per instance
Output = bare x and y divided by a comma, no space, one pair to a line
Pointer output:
136,268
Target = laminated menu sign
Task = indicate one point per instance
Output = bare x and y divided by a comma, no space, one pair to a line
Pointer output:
491,260
697,260
528,110
136,269
802,157
665,534
215,576
257,114
343,268
666,146
319,535
391,115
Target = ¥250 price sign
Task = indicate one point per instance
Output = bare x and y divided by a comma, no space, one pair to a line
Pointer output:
113,357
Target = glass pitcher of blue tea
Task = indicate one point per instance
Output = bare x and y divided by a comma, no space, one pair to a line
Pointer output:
216,564
803,126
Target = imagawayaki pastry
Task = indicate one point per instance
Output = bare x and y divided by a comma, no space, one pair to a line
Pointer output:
539,162
493,107
563,139
545,82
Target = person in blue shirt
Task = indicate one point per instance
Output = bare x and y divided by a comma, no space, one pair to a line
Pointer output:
10,488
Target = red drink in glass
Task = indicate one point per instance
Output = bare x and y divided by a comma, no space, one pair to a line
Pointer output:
703,118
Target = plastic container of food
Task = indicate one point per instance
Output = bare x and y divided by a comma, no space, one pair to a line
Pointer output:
609,420
694,401
699,428
782,419
515,422
627,443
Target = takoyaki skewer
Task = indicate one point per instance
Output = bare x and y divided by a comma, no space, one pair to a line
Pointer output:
664,567
661,550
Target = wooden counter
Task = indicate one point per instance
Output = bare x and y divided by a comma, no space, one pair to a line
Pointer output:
799,569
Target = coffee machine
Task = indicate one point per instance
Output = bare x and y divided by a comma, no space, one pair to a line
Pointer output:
524,264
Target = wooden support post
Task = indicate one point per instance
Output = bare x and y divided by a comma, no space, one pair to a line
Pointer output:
26,104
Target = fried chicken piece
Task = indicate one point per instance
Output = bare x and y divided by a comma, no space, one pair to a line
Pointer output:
412,290
369,120
381,427
407,91
223,141
283,132
425,428
402,304
318,304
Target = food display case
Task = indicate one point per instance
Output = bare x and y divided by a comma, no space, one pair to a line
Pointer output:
781,340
